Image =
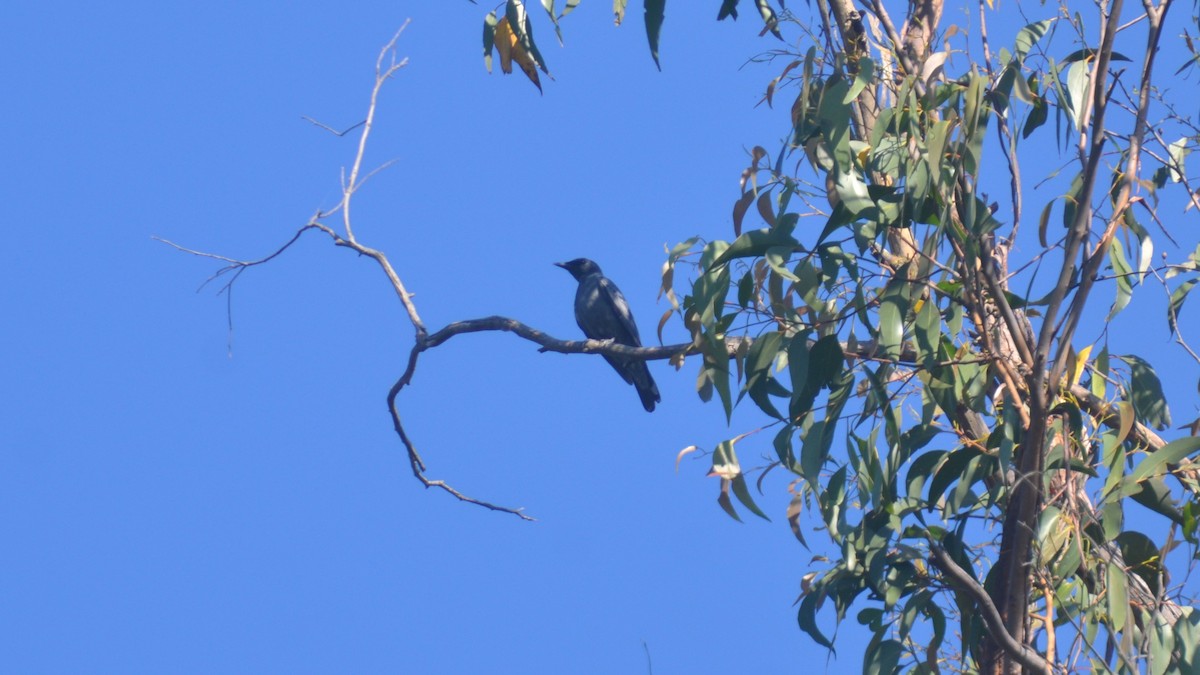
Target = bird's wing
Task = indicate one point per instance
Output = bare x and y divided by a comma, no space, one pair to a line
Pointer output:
624,329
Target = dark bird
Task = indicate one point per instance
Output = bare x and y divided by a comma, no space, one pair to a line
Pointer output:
603,314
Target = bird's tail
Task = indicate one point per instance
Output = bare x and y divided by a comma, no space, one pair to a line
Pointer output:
646,388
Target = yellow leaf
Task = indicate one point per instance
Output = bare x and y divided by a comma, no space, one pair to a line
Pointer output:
505,41
1081,360
510,49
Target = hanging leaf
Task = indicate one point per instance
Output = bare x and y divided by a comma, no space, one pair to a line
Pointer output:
764,208
489,39
1038,115
1146,393
509,45
739,211
1080,362
1156,462
726,503
1029,36
548,5
655,10
794,510
807,618
882,656
1178,296
864,76
1077,85
743,494
770,21
728,8
1124,274
1118,597
1178,151
619,11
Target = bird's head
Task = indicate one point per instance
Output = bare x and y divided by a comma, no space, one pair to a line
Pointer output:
580,267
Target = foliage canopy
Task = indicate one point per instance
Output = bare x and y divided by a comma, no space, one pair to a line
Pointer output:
936,378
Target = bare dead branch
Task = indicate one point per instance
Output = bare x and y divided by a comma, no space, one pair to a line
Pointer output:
236,266
382,75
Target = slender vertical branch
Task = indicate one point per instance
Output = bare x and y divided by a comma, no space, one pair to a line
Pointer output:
381,76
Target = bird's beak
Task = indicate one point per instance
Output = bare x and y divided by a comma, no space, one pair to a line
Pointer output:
562,265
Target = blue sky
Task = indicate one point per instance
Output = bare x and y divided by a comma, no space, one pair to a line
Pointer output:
171,505
171,508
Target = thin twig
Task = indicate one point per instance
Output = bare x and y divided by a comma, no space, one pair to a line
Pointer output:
331,130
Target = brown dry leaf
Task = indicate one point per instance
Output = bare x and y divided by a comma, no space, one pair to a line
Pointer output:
662,323
505,41
756,156
775,82
764,208
686,451
668,283
739,211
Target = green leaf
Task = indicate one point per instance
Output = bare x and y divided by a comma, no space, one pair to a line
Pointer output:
655,11
834,118
1146,393
812,453
743,495
1156,496
1043,221
864,76
1077,85
717,363
1187,636
882,656
1038,114
798,358
548,5
518,21
935,142
893,305
1029,36
807,618
759,364
833,506
1098,384
1071,200
1124,274
1089,53
1178,151
956,464
1118,597
1178,296
1141,557
853,193
777,258
1156,462
756,242
921,470
1162,644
